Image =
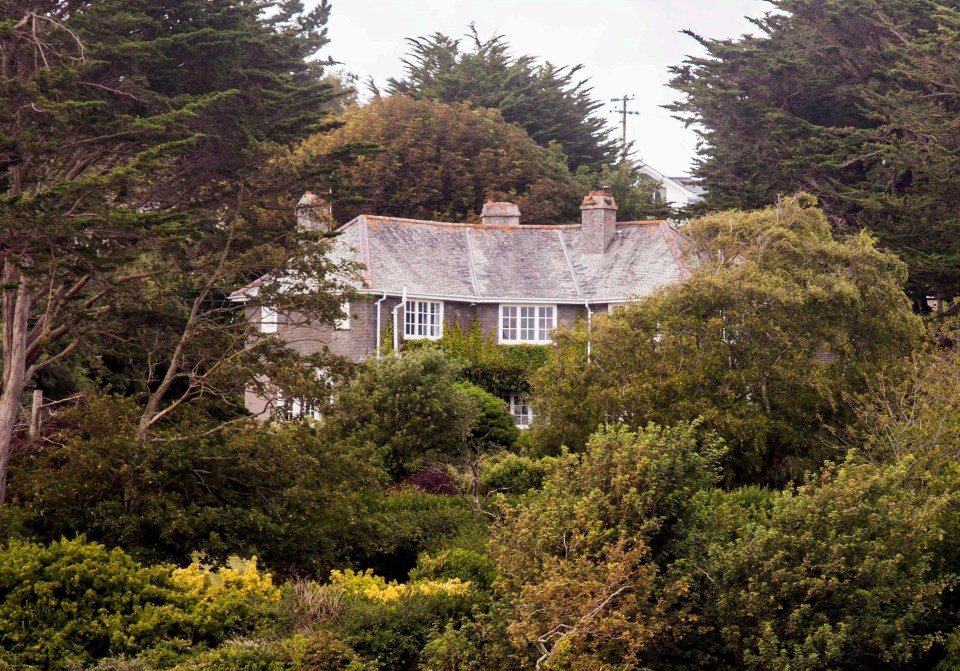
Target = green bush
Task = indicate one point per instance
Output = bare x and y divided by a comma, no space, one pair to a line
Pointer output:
411,523
390,623
288,494
458,563
74,602
494,425
514,474
409,406
320,652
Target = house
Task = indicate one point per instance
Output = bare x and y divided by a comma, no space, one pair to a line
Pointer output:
519,282
674,191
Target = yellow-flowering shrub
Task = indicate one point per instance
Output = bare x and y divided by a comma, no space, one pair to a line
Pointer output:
247,580
391,622
375,588
239,600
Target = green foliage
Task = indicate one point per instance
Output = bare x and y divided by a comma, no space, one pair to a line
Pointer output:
844,572
499,369
136,176
75,602
514,474
852,569
441,162
410,406
286,493
575,560
466,565
494,425
453,650
298,653
777,325
549,102
390,623
410,523
841,98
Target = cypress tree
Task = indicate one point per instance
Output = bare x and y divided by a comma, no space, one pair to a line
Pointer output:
129,129
854,101
553,104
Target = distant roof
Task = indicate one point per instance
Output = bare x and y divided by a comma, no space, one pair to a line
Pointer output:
690,183
685,183
484,263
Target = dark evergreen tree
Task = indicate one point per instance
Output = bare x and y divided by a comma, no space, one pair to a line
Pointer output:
853,100
130,133
551,103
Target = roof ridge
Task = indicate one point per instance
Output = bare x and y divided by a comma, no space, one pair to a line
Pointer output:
466,225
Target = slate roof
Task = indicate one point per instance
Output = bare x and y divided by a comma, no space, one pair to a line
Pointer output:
484,263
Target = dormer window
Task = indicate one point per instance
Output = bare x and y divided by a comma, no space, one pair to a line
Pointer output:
422,320
529,324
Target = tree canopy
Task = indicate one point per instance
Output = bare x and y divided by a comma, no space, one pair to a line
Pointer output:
441,161
129,138
547,101
854,101
777,324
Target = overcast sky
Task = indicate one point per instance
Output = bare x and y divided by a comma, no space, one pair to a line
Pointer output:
625,46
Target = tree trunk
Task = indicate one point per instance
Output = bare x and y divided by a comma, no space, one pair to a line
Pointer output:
15,314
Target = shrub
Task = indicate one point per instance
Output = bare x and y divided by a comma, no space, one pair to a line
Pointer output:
389,623
410,406
468,566
411,523
494,425
73,602
513,474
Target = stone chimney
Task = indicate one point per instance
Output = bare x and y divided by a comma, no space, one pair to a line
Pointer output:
598,221
314,213
500,214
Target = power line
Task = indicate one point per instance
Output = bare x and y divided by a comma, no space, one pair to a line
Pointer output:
623,112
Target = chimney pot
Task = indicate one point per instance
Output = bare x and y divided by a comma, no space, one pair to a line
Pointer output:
598,221
314,213
500,214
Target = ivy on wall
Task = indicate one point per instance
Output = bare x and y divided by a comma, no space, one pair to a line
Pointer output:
500,369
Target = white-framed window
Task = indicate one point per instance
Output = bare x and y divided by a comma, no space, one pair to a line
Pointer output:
343,323
520,409
290,409
527,323
298,408
422,320
268,319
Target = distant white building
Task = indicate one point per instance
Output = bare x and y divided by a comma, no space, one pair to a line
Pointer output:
674,191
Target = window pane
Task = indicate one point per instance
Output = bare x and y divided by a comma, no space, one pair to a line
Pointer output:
343,323
509,320
528,323
409,319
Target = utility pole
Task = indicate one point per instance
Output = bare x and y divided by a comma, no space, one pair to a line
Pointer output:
623,112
